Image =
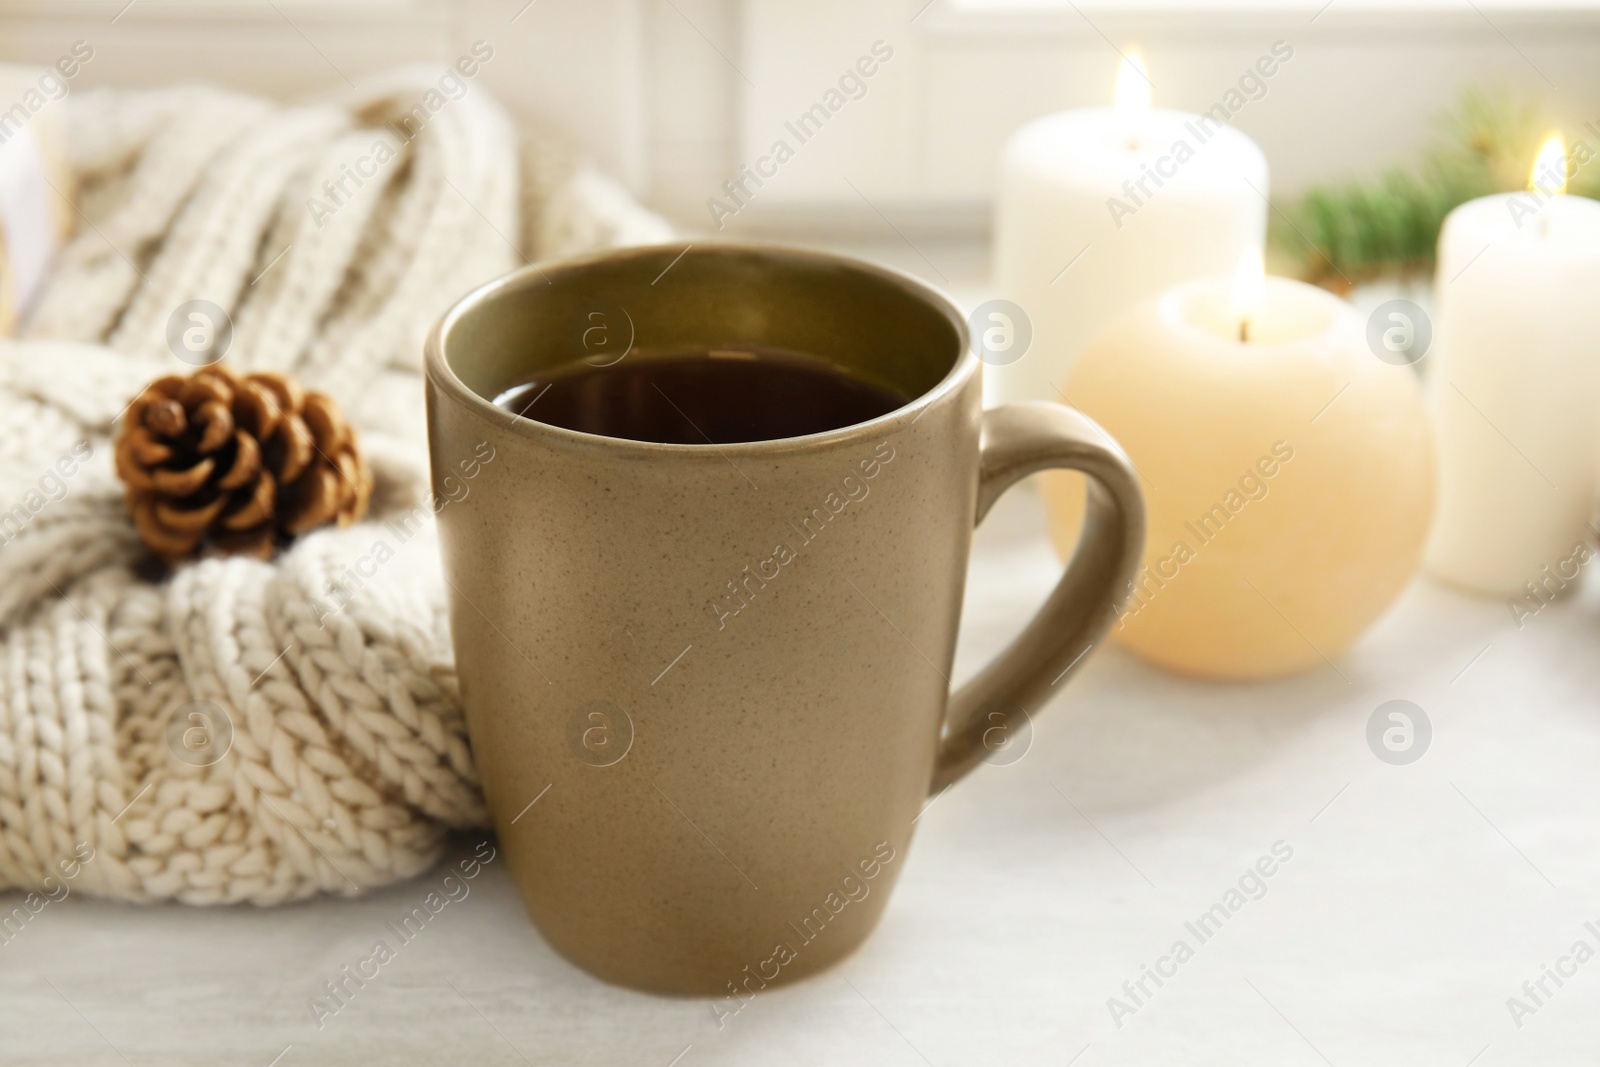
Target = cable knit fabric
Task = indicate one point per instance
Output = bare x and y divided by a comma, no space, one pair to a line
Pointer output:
348,759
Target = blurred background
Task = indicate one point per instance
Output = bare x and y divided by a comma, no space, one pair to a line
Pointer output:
671,96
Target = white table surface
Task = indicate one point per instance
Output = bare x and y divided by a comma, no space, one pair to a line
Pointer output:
1418,898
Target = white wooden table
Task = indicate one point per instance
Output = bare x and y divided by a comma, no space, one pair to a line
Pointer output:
1417,899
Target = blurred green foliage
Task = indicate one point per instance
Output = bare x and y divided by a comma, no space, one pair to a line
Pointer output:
1343,234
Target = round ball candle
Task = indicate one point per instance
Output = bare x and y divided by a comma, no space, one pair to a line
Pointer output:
1288,473
1516,386
1098,208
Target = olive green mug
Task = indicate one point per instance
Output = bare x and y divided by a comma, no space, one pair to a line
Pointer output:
707,686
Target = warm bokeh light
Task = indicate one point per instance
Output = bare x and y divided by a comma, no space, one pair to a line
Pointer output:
1549,174
1249,289
1132,94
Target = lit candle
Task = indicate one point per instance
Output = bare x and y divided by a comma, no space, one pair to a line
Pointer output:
1249,290
1288,473
1516,388
1100,207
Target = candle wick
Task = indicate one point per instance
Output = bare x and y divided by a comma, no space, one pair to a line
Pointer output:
1244,329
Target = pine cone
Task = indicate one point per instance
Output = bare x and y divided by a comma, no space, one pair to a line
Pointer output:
243,463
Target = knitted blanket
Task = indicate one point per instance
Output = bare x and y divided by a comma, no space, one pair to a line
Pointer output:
334,754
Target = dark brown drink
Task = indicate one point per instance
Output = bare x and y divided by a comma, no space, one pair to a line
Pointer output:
702,396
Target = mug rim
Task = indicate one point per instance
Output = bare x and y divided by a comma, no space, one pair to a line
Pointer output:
438,370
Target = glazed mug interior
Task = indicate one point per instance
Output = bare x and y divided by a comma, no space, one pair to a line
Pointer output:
872,324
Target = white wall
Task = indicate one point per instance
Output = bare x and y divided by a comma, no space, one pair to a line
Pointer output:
1360,93
672,95
579,62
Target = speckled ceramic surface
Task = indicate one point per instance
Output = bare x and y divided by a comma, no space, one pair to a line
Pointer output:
706,684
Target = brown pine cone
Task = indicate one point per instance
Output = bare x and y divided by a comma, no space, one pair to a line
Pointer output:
240,462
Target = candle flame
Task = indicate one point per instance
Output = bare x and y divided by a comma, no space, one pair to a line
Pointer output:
1249,289
1549,173
1132,94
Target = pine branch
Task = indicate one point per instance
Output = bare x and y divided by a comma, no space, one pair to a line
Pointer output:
1390,225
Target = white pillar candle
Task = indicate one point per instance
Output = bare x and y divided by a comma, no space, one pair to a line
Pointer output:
1100,207
1516,386
1288,473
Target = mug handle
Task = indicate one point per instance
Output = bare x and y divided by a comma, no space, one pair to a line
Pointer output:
1018,440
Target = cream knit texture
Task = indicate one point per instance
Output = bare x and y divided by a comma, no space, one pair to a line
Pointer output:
348,760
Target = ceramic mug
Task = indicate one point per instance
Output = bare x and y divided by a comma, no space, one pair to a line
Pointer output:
707,686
